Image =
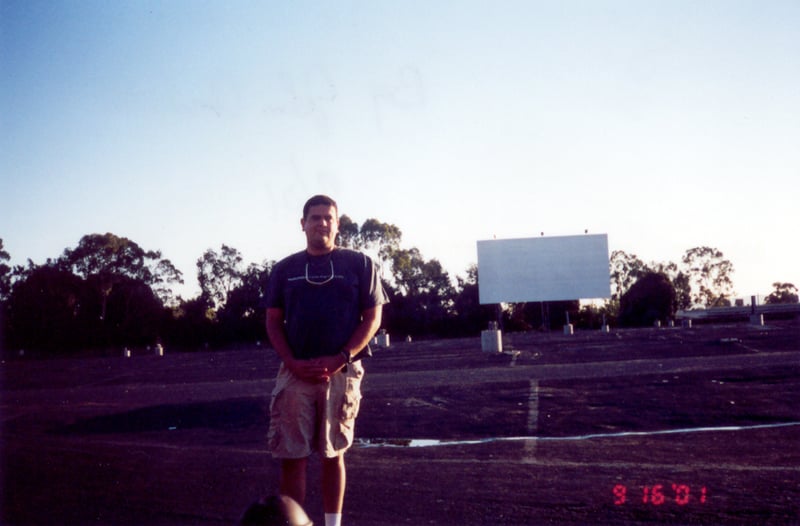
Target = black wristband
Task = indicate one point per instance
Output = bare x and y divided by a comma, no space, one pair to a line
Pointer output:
348,359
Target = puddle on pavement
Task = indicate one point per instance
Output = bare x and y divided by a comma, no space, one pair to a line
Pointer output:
429,442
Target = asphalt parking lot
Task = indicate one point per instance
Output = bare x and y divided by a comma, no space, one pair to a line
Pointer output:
659,426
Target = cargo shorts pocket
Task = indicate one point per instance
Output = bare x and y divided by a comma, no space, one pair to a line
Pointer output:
344,428
351,401
273,433
347,410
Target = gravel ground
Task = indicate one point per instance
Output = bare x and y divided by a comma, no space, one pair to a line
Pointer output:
658,426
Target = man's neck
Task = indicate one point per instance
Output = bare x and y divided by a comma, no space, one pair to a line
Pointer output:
313,251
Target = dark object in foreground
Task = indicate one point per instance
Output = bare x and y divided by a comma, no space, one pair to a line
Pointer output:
276,511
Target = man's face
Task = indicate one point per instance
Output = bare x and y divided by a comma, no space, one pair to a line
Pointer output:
321,226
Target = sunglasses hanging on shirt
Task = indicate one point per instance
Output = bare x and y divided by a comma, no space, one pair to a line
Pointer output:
326,280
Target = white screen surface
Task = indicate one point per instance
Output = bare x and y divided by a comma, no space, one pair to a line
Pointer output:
543,269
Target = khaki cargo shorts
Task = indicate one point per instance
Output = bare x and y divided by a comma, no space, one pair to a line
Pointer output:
306,417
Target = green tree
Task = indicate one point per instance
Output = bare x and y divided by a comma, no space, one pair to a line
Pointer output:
625,270
375,237
710,275
383,238
5,274
783,293
592,316
469,316
680,282
193,324
135,315
5,291
540,315
242,318
650,299
422,295
219,274
44,309
124,289
106,260
348,232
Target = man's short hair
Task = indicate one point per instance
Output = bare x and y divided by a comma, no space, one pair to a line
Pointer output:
319,200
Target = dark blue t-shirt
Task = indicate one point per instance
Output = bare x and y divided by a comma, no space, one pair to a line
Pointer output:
322,298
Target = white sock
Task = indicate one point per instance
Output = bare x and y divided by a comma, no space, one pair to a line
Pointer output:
333,519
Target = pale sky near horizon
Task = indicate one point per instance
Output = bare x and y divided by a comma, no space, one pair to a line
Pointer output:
183,125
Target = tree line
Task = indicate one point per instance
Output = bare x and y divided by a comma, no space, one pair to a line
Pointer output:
108,293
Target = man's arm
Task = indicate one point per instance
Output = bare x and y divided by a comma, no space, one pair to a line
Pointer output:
370,323
277,333
366,329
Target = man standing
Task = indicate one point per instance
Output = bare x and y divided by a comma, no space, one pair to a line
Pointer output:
324,305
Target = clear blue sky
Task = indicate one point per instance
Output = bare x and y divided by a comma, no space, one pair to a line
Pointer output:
186,124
